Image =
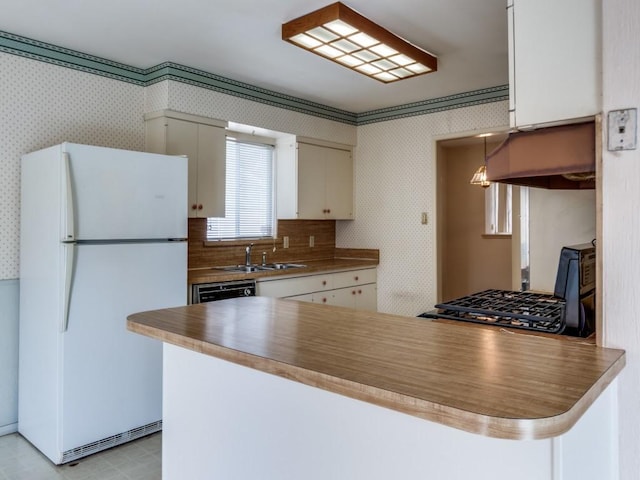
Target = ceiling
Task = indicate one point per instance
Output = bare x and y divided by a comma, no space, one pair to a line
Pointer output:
241,40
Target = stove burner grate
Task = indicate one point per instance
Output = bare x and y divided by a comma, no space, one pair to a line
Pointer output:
526,310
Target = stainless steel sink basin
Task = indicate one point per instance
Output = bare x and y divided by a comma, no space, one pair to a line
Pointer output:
281,266
257,268
243,269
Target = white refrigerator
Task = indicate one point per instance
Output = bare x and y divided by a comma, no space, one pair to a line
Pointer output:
103,235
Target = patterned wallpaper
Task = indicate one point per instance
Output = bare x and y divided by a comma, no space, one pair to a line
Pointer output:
394,160
394,183
44,104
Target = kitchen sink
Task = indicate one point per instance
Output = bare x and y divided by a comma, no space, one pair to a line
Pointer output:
281,266
243,268
258,268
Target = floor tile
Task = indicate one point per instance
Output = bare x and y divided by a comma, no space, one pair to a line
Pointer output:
137,460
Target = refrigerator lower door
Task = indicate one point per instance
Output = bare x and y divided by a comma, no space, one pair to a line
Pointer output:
111,378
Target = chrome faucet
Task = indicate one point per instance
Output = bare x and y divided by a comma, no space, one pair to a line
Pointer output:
247,258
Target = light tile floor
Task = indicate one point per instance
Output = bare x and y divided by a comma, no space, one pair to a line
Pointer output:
137,460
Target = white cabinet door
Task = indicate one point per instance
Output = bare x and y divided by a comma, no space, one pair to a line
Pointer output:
339,184
311,182
360,297
367,297
182,139
203,141
343,297
322,186
555,60
211,173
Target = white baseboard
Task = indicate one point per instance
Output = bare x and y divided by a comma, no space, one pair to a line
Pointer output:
7,429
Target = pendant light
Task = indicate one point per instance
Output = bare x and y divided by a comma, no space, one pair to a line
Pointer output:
480,177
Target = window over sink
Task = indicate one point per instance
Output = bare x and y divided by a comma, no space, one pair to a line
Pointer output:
250,193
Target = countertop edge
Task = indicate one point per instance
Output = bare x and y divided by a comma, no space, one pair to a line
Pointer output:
490,426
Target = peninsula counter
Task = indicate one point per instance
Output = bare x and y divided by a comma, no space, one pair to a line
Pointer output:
332,392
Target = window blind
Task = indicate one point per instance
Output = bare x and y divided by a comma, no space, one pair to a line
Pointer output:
249,199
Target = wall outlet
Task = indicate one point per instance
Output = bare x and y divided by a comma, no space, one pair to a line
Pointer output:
285,242
622,128
312,241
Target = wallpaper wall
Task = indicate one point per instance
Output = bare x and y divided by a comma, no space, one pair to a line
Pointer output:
395,168
43,105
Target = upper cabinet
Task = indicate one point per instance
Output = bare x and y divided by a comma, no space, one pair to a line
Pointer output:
315,180
202,140
554,61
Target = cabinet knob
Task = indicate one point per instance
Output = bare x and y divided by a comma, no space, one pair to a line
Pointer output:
200,207
356,278
324,300
324,282
194,207
353,292
359,292
328,210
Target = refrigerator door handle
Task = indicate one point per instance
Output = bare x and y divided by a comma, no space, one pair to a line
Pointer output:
68,225
67,282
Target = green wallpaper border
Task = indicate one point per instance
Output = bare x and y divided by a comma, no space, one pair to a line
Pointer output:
45,52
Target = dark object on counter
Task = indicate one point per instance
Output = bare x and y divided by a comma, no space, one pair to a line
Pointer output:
569,311
576,283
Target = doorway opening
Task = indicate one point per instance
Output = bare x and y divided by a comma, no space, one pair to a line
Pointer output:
472,256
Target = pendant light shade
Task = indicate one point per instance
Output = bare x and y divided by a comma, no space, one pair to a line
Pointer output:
480,177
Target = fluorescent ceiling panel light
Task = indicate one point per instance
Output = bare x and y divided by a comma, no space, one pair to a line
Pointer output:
340,34
306,41
366,55
350,60
328,51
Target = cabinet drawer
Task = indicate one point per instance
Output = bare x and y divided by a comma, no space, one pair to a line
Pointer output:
294,286
354,277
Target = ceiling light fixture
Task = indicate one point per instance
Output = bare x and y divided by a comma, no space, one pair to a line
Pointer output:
344,36
480,177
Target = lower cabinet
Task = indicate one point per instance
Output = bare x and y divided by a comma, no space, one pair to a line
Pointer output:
353,288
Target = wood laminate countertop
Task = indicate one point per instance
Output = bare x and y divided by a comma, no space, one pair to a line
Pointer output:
482,380
218,274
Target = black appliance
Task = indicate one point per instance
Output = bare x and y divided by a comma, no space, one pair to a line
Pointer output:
569,311
211,292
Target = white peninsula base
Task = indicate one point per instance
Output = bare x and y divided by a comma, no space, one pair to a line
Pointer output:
226,421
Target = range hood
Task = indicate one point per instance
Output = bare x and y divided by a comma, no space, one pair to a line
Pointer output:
560,157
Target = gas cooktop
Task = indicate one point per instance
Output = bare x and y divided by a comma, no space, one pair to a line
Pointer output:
524,310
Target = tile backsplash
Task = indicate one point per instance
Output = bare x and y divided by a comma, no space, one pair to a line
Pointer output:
203,253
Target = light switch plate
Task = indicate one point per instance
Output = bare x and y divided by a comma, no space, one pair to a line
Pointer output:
623,129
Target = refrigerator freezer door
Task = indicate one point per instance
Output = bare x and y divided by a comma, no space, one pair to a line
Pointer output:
123,195
112,378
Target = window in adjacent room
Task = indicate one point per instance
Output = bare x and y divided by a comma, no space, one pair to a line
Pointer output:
249,200
498,209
